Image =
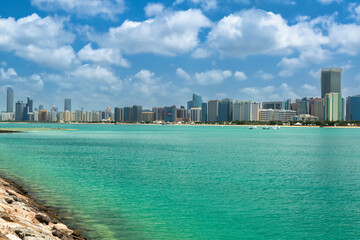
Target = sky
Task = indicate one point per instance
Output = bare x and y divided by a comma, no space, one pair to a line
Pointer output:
158,53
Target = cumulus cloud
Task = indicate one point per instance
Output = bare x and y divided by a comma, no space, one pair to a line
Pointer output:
102,56
211,77
201,53
264,75
329,1
182,74
354,9
240,76
41,40
284,91
95,74
311,90
167,34
7,74
153,9
83,8
205,4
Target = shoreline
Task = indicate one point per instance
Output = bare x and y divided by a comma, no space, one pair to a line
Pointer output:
23,217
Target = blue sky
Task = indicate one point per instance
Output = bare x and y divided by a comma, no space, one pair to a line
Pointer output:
122,52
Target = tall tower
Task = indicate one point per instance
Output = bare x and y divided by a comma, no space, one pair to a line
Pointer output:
67,105
10,100
330,81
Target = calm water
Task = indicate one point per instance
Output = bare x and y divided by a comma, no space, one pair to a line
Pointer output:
193,182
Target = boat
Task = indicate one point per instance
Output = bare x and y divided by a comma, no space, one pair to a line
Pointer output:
252,127
266,128
276,127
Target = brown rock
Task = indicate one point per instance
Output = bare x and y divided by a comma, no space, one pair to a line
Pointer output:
42,218
9,200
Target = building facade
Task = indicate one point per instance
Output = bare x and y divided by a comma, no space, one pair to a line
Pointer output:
333,107
213,111
330,81
9,100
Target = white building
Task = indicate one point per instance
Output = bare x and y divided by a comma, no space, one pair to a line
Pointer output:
246,111
267,115
195,114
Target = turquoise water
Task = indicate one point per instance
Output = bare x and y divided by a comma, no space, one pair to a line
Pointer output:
193,182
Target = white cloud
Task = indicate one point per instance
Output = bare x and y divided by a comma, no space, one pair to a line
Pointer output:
212,77
41,40
201,53
205,4
10,73
83,8
103,56
329,1
95,74
153,9
269,93
354,9
170,33
263,75
148,84
181,73
315,73
240,76
309,89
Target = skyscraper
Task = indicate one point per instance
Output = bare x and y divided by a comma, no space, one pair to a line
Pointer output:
353,108
330,81
196,102
19,111
204,112
226,110
137,113
128,114
30,104
67,105
10,100
118,112
333,107
213,111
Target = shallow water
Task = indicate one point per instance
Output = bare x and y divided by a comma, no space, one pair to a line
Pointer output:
193,182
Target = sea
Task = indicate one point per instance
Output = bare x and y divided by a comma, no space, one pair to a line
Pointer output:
191,182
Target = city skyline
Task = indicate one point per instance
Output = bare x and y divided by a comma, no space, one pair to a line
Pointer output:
100,56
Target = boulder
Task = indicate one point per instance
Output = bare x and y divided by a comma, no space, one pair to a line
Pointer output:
43,218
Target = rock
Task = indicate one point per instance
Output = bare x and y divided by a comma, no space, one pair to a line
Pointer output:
60,234
9,200
6,217
20,234
63,228
42,218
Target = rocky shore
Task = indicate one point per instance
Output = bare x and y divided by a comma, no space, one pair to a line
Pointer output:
23,218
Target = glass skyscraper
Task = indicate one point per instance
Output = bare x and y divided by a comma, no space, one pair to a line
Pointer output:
10,100
226,110
330,81
204,112
67,105
353,108
196,102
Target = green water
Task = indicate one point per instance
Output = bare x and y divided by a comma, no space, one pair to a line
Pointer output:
193,182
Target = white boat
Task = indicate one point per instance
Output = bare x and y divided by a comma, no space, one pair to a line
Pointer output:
252,127
276,127
266,128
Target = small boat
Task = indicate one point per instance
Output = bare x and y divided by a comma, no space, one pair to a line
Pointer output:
266,128
252,127
276,127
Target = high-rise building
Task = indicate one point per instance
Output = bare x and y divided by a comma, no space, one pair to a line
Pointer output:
30,104
196,102
43,115
317,108
148,116
353,108
181,115
330,81
246,111
158,113
10,100
273,105
137,113
333,107
67,105
169,114
41,107
204,112
303,106
226,110
118,114
195,114
128,114
213,111
19,111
